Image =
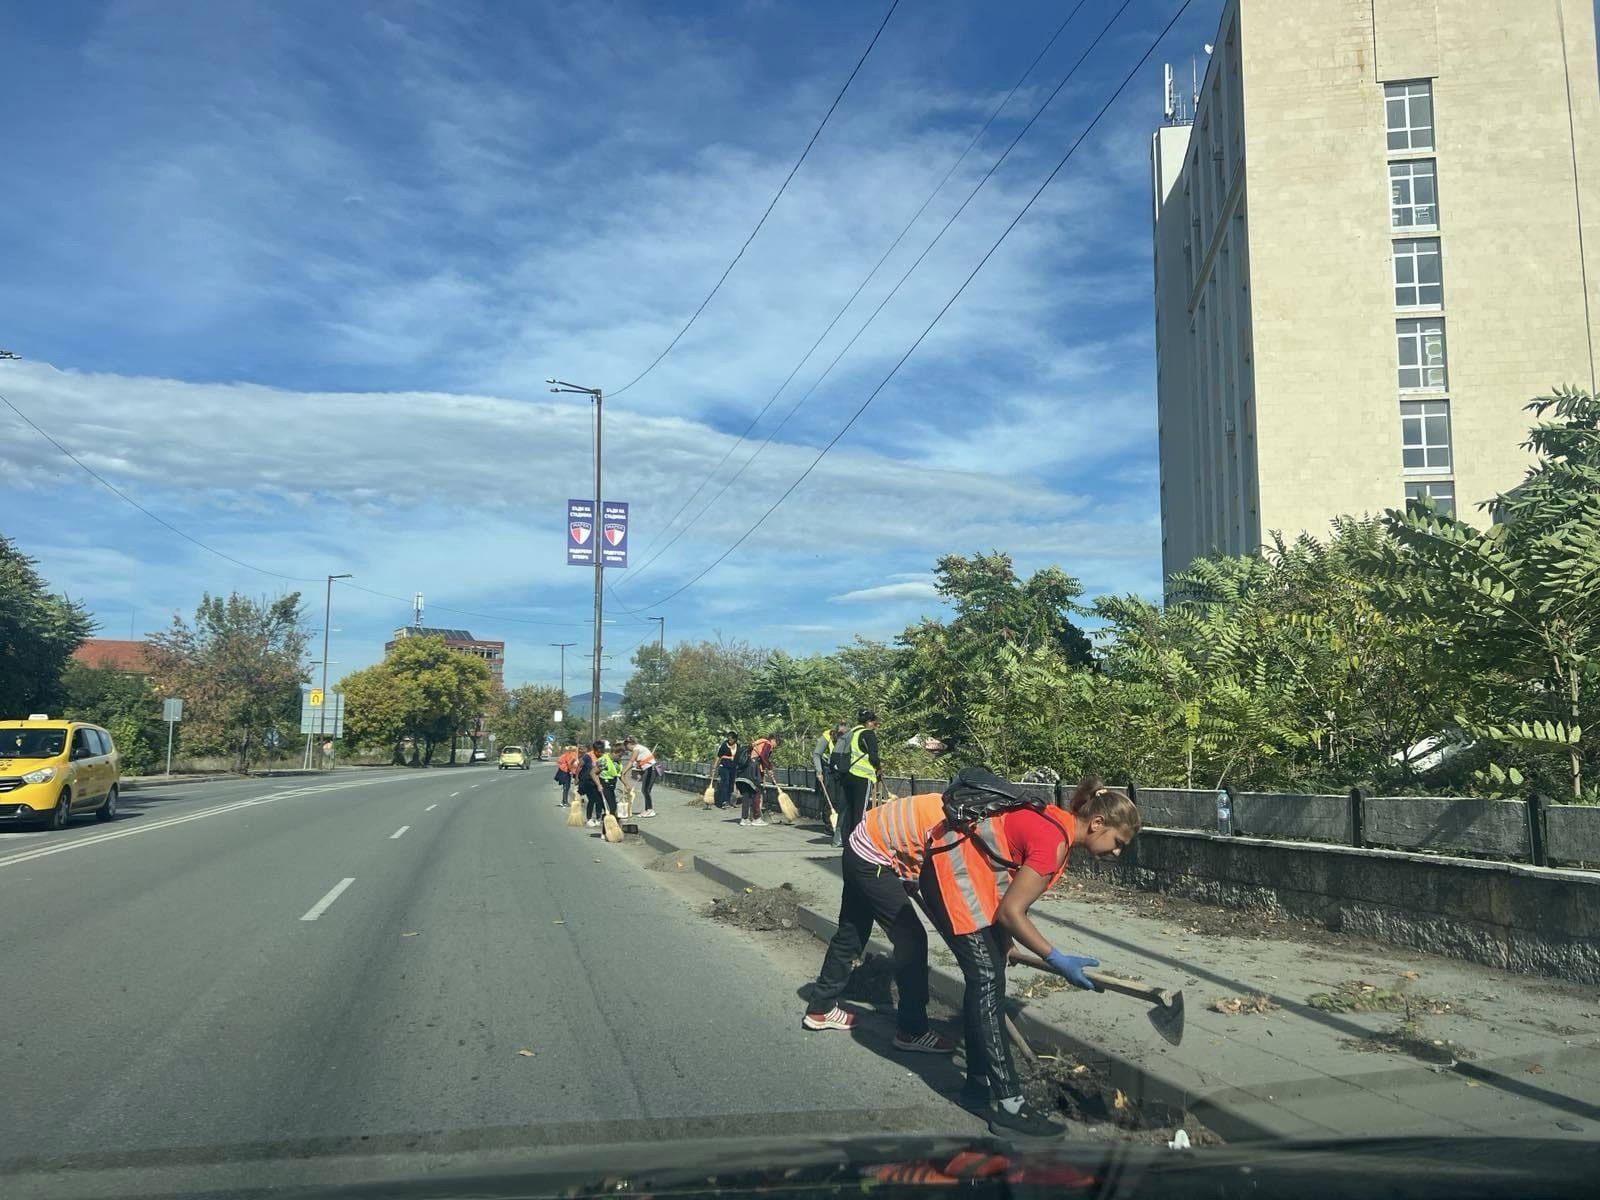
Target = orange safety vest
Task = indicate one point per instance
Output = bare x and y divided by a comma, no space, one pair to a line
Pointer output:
568,762
913,833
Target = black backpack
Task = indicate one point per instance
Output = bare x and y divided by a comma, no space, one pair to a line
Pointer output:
974,795
839,760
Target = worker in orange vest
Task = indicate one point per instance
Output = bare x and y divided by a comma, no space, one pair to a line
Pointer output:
912,846
566,764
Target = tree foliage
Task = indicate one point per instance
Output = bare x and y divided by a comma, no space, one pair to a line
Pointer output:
423,694
238,669
124,704
521,716
38,633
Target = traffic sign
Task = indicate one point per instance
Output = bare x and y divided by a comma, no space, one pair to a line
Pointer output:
316,698
172,710
271,739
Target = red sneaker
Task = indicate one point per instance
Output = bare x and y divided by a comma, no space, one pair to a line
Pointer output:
834,1018
927,1043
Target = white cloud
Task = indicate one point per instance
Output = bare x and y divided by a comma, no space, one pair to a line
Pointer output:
888,591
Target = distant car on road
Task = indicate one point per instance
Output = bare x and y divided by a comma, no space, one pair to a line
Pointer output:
513,756
52,771
480,756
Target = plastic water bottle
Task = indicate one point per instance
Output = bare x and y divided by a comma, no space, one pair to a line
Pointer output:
1224,813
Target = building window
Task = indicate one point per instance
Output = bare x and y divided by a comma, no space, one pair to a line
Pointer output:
1422,360
1425,435
1409,109
1441,491
1418,281
1413,195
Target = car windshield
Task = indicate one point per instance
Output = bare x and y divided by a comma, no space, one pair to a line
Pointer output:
763,414
32,743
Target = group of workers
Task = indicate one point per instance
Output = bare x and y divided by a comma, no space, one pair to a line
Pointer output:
974,859
595,771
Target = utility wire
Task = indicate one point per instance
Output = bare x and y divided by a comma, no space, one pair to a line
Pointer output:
865,404
127,499
838,316
729,269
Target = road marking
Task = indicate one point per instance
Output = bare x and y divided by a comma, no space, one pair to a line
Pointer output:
474,785
430,808
321,906
398,832
453,795
166,823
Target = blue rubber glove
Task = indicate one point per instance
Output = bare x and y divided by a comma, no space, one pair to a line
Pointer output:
1070,967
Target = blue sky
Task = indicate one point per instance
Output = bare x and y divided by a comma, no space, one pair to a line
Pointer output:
292,276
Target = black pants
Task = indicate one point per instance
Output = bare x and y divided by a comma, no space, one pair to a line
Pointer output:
566,791
983,965
874,893
594,803
646,782
852,803
724,792
610,786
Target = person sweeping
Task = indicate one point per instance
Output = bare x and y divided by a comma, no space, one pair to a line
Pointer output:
952,849
640,762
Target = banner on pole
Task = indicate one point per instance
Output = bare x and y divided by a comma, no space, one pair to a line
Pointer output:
614,534
580,533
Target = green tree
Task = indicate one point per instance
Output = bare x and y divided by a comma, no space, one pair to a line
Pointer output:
441,690
237,668
1519,602
38,633
123,703
375,709
521,716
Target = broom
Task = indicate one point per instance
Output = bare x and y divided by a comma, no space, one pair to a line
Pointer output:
710,796
791,814
611,827
575,811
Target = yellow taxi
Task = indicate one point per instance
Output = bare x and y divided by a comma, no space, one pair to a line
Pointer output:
52,771
513,756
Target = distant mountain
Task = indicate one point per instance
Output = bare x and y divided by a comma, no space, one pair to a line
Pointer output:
610,702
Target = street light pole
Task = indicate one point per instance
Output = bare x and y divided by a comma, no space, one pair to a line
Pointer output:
563,646
327,623
595,394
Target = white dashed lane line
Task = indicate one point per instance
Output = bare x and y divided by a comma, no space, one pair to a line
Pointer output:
430,808
321,906
399,832
453,795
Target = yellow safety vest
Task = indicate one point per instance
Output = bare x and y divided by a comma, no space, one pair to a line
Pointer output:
860,765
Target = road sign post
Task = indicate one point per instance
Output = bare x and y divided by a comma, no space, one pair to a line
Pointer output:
171,713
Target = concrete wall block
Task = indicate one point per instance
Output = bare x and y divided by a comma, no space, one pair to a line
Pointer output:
1176,808
1572,832
1318,818
1442,824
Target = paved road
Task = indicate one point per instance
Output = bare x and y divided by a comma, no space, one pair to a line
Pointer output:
302,961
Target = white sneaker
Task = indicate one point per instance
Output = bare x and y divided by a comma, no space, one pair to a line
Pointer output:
744,820
649,812
758,821
591,823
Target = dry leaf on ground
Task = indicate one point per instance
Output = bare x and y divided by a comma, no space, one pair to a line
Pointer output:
1234,1006
1119,1101
525,1053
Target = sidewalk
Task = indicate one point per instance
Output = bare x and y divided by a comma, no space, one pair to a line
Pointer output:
1394,1043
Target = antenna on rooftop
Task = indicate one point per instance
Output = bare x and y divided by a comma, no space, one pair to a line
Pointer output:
416,606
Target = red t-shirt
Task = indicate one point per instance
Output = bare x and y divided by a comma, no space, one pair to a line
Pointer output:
1034,840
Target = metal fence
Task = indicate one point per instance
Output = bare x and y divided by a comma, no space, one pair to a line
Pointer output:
1532,831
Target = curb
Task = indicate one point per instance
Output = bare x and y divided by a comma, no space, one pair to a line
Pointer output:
1180,1089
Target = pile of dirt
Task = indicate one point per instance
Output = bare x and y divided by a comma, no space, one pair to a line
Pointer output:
673,860
1359,996
759,908
1409,1038
1084,1094
1239,1006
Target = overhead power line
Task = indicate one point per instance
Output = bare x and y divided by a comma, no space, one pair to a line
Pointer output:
161,521
868,278
873,395
728,270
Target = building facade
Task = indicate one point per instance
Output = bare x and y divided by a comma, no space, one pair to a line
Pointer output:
493,653
1375,242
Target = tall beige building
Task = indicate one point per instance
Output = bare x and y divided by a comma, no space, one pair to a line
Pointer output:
1375,241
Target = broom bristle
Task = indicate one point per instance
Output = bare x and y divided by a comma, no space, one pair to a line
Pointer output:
710,796
790,812
575,814
612,828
